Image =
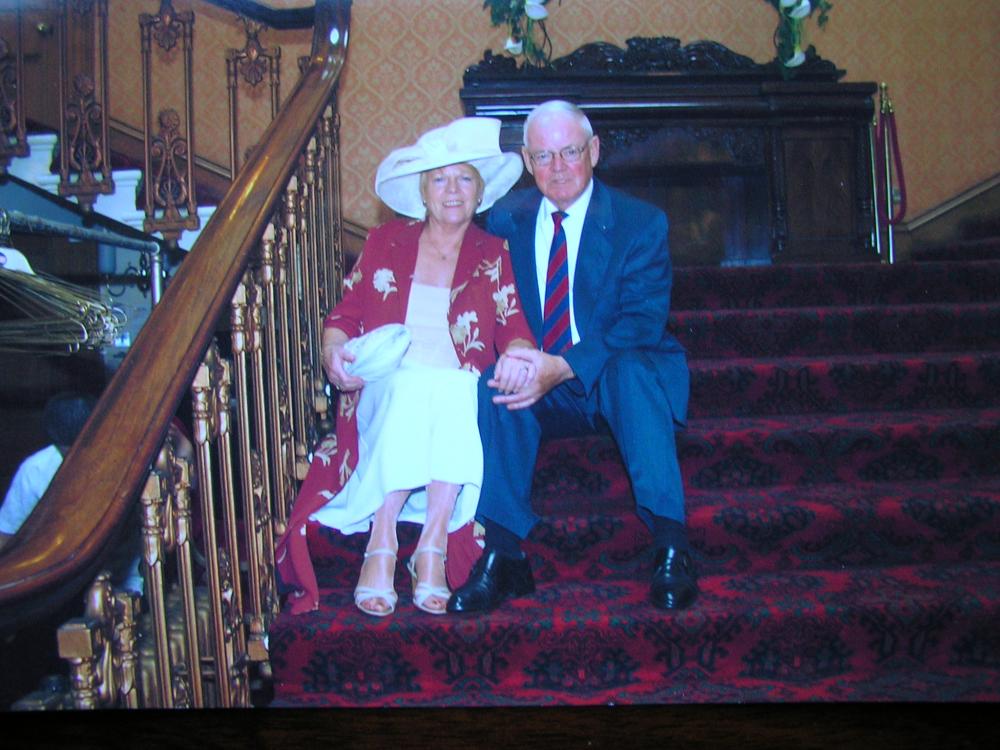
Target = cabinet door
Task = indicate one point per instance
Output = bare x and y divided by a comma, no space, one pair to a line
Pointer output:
821,190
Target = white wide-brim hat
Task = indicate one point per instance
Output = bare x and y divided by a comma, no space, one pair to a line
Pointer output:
468,140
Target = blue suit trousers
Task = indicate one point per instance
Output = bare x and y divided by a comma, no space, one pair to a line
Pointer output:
627,400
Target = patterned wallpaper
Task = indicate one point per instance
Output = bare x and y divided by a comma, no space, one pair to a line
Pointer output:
406,60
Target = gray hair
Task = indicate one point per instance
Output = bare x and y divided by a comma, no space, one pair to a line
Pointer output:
557,106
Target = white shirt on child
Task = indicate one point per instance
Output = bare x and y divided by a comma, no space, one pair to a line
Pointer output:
27,487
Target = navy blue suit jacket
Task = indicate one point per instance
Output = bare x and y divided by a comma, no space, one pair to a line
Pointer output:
621,288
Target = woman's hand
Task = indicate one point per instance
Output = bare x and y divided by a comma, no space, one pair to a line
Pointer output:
512,373
335,357
547,371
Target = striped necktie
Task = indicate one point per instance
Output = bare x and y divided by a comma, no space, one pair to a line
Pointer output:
555,322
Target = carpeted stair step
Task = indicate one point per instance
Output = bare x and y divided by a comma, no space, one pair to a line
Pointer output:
803,449
843,383
909,632
832,526
813,285
840,526
983,248
811,331
782,528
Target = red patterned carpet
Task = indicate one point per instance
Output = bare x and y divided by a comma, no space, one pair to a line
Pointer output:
843,472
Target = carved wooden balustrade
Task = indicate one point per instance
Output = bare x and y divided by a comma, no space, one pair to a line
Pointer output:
84,146
233,348
253,64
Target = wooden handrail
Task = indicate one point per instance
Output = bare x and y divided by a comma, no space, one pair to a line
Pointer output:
63,543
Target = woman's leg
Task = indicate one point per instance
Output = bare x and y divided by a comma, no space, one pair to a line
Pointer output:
433,545
378,570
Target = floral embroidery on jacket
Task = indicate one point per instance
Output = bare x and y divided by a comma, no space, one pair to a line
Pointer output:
327,449
490,268
465,334
348,403
457,291
504,295
384,281
345,468
354,278
506,303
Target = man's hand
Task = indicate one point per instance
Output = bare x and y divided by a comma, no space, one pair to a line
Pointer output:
549,371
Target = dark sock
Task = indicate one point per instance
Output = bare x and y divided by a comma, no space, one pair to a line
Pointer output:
503,540
667,532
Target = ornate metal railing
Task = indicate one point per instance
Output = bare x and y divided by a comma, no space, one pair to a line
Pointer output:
195,448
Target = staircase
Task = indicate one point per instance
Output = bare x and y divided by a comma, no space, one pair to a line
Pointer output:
842,465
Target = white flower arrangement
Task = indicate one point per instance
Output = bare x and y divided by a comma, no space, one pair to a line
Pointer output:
525,21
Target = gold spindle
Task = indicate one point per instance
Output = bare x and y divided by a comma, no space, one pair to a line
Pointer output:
262,480
127,605
153,506
243,430
180,490
269,274
81,642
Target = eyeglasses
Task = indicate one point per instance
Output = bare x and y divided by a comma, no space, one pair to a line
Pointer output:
570,155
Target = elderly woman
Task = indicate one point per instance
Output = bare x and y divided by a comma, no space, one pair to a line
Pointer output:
407,446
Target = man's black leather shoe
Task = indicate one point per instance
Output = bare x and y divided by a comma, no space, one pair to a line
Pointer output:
493,578
674,583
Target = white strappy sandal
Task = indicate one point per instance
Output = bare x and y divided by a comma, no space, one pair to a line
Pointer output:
366,593
422,590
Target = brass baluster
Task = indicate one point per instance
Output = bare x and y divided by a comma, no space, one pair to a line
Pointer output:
84,151
85,642
270,274
229,652
310,226
331,141
322,226
211,390
155,509
290,246
285,320
249,460
253,63
178,473
81,643
171,203
127,606
13,138
312,387
262,482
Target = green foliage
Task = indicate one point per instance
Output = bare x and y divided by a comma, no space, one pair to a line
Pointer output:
788,37
525,22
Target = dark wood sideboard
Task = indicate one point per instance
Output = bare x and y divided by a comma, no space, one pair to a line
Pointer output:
750,166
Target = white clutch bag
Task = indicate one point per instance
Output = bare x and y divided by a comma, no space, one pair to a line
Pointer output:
378,352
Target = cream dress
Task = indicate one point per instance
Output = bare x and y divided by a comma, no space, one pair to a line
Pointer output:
416,425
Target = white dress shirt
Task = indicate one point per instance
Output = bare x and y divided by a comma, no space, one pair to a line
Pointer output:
27,487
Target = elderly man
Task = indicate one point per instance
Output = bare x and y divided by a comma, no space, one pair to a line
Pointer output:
594,273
